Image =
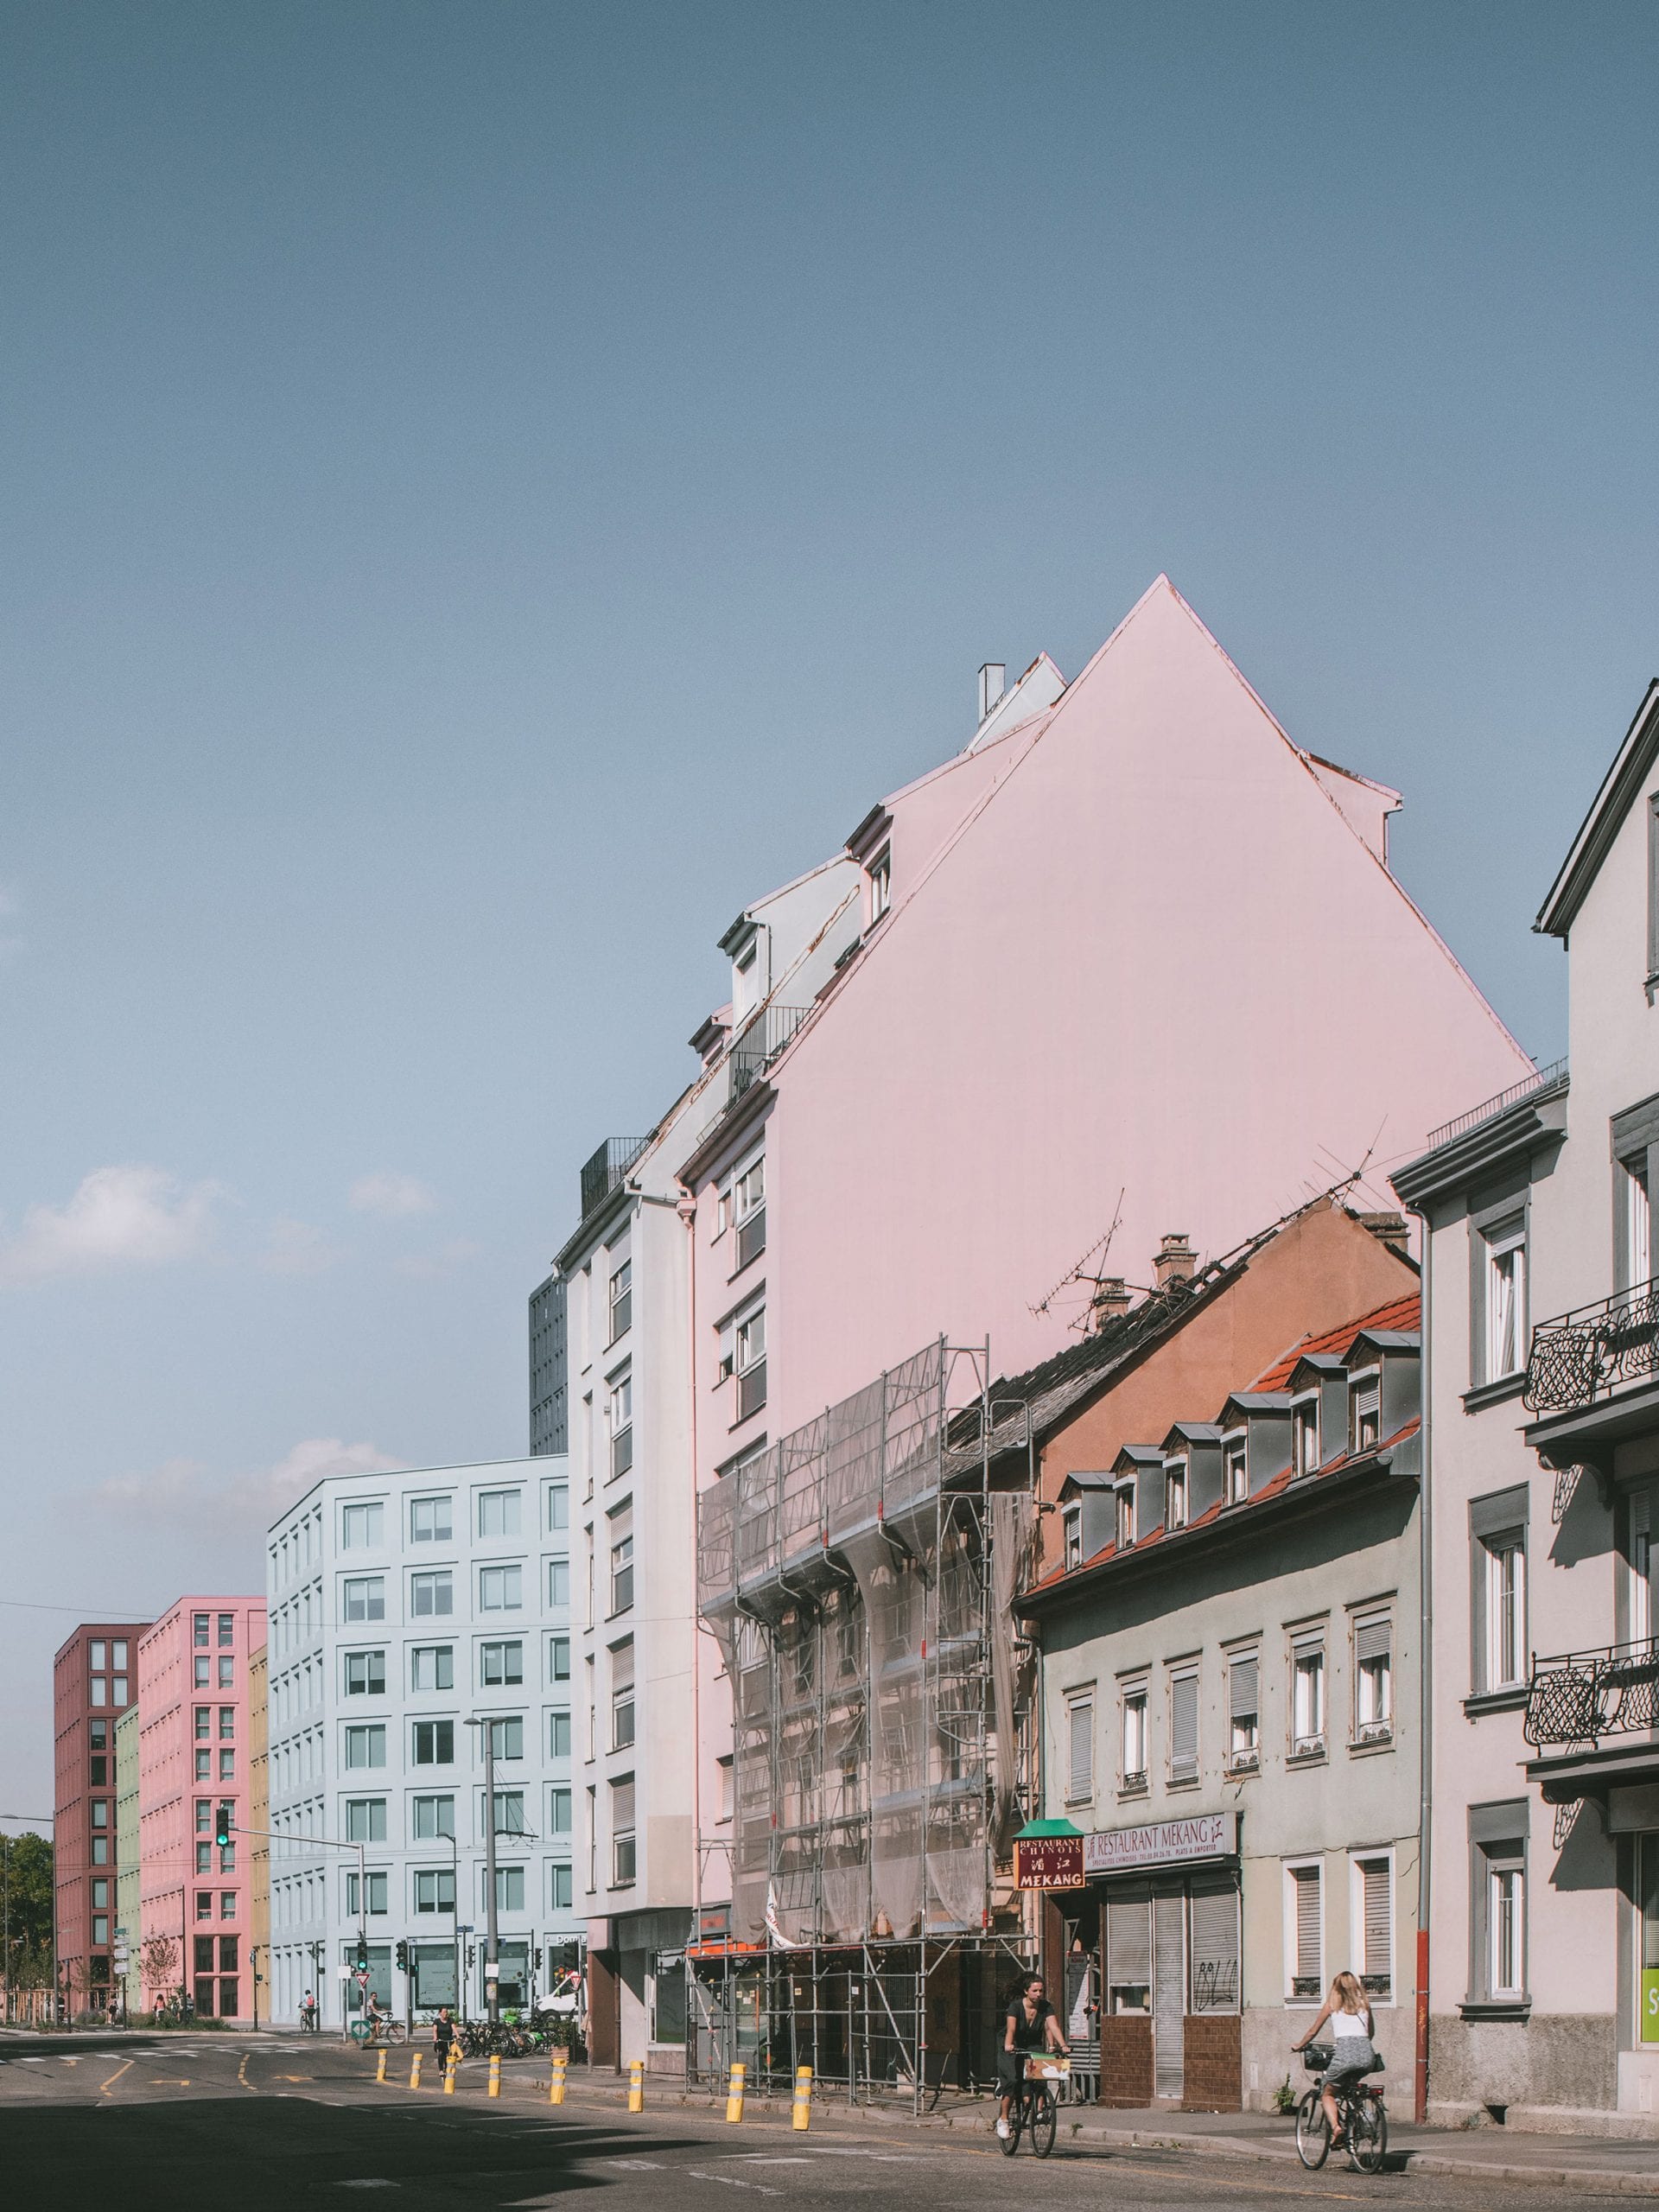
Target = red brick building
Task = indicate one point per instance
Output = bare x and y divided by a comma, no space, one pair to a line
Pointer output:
94,1679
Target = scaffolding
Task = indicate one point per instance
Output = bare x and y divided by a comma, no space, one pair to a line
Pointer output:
857,1576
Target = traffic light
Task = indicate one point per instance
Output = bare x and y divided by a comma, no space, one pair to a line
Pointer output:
402,1954
471,1956
362,1954
222,1826
536,1960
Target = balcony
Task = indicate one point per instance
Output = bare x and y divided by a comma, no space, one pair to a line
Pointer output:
758,1045
1576,1701
1584,1356
601,1174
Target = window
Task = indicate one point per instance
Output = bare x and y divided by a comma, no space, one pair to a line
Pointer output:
507,1738
728,1787
366,1747
1374,1678
98,1654
98,1735
1638,1576
227,1904
434,1743
749,1191
620,1527
226,1633
202,1676
226,1671
1244,1709
1080,1746
432,1816
1071,1535
117,1690
558,1659
97,1690
431,1594
509,1812
101,1812
432,1667
1135,1737
1236,1471
621,1301
101,1851
498,1512
622,1695
1304,1930
430,1521
1175,1494
722,1208
364,1598
434,1890
1498,1893
226,1721
100,1928
559,1895
202,1628
750,1352
1372,1912
592,1839
374,1907
1308,1698
365,1673
204,1721
360,1526
1125,1516
558,1583
623,1858
204,1904
558,1812
558,1505
101,1892
1497,1527
880,885
1305,1437
618,1411
366,1820
1184,1726
500,1663
1637,1225
509,1888
558,1733
227,1766
1364,1399
500,1589
203,1765
204,1858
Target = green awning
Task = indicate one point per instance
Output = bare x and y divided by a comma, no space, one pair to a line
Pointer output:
1046,1828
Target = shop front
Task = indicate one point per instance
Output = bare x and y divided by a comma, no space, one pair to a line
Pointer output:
1169,1962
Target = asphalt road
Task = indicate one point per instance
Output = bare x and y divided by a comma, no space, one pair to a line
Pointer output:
221,2124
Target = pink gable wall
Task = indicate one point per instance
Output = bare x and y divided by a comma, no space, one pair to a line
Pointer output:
1158,960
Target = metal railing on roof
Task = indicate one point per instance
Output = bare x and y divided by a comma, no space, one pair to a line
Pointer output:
1588,1352
758,1045
601,1174
1540,1079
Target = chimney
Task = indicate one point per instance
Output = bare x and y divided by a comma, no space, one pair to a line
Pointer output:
1390,1228
1173,1261
993,683
1111,1298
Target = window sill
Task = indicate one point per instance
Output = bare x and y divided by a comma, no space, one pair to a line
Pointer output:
1241,1770
1181,1782
1494,1394
1133,1790
1495,2008
1365,1746
1320,1757
1511,1699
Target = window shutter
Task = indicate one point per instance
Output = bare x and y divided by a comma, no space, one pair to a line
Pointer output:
1129,1941
1373,1639
1215,1950
1378,1917
1184,1724
1243,1684
1306,1880
1081,1716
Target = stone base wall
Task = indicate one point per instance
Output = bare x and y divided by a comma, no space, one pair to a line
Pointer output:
1126,2060
1564,2062
1211,2063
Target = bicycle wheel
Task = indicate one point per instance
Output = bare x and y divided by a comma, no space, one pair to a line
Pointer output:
1313,2132
1368,2132
1044,2115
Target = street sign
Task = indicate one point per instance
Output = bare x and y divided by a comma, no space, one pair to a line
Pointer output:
1048,1862
491,1971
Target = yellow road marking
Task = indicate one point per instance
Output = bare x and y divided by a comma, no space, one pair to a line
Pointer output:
242,2070
103,2086
294,2077
168,2081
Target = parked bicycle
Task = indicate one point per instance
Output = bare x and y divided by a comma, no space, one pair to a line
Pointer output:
1360,2108
1034,2108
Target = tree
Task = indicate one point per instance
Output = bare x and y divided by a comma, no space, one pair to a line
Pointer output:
26,1911
158,1959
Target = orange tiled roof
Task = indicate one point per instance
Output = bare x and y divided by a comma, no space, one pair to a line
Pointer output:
1400,1313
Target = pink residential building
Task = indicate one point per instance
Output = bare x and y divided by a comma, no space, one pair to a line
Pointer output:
194,1748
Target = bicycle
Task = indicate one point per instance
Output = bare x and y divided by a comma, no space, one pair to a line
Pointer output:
1034,2110
1360,2109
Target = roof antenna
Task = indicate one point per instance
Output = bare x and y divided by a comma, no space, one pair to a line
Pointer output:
1079,1273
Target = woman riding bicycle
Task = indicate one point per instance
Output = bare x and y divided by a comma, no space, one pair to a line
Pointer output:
1354,2056
1029,2023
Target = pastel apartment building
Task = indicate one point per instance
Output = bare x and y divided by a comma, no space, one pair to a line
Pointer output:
194,1748
94,1681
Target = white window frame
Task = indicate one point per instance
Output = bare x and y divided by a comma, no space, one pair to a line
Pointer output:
1292,1953
1079,1710
880,881
1177,1491
1134,1697
1505,1595
1071,1536
1235,1468
1305,1435
1373,1728
1244,1757
1358,1862
1504,1261
1309,1742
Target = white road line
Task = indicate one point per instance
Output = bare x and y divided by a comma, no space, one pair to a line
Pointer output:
638,2165
731,2182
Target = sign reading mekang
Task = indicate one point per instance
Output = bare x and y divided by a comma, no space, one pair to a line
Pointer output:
1169,1843
1048,1862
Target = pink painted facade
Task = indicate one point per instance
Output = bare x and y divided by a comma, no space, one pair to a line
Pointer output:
92,1685
195,1744
1143,961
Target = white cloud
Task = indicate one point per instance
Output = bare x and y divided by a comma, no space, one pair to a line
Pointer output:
117,1217
296,1247
428,1266
393,1196
185,1494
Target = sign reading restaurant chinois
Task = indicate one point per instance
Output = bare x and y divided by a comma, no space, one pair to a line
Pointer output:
1168,1843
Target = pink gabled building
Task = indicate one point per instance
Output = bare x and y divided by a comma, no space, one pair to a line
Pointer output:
193,1748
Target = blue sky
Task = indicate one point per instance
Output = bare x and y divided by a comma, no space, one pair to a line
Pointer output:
491,488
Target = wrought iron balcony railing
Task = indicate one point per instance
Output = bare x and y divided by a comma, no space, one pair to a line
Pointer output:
1582,1356
755,1047
1582,1696
601,1174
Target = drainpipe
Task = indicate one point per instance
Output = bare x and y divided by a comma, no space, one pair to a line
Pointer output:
687,1213
1425,1683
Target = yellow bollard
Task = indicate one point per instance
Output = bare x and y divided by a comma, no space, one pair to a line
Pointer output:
734,2092
449,2066
636,2085
803,2116
414,2071
495,2073
555,2085
380,2070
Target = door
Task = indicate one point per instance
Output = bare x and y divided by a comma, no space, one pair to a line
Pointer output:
1168,1992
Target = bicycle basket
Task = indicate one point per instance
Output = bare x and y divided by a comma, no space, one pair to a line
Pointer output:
1317,2058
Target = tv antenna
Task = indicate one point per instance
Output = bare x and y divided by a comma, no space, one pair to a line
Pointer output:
1079,1273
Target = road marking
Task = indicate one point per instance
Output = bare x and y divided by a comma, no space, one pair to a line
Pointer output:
292,2077
731,2182
637,2166
379,2182
103,2086
168,2081
71,2062
242,2070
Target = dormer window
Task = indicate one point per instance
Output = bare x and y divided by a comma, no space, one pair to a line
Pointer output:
1071,1536
1305,1437
880,885
1363,1398
1126,1516
1236,1471
744,976
1175,1494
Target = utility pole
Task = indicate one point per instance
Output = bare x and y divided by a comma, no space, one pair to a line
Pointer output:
491,1949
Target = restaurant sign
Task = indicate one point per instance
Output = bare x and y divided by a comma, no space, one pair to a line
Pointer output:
1168,1843
1048,1862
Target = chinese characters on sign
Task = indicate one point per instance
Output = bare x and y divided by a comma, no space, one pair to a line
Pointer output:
1048,1862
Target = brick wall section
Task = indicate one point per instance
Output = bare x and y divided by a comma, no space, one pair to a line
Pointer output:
1126,2059
1212,2071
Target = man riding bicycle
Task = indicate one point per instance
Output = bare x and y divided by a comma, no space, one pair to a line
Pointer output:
1029,2023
